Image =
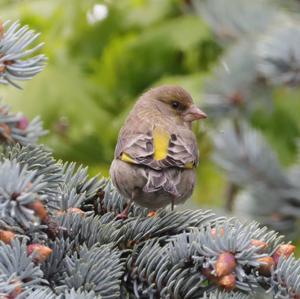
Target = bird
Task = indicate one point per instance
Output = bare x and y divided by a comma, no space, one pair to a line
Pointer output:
156,153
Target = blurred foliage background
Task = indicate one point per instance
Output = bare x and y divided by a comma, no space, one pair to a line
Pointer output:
103,54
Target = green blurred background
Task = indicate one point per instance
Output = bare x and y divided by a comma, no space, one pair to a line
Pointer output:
103,54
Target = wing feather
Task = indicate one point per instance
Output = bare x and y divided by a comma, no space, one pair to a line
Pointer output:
139,147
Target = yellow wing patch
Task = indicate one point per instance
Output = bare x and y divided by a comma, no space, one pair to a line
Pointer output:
189,165
127,158
161,139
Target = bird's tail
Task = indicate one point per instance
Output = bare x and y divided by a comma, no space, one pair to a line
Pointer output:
162,180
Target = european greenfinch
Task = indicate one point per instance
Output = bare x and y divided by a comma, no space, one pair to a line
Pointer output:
157,153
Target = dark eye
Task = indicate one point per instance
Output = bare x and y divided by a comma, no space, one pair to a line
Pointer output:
175,104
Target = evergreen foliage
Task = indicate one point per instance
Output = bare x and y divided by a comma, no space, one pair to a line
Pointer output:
61,237
261,55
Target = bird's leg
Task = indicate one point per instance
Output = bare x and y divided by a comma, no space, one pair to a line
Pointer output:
172,203
124,214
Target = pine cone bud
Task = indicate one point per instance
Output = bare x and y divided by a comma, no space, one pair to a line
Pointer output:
2,68
283,250
151,214
266,268
23,123
259,243
225,264
228,282
6,236
40,210
40,252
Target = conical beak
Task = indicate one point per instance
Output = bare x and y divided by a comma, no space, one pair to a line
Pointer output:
193,113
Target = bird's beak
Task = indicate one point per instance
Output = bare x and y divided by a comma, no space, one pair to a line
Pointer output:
193,113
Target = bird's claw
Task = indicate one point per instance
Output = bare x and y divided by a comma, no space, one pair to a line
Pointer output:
123,215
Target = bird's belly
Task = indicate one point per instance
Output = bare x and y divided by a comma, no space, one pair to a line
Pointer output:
130,178
155,200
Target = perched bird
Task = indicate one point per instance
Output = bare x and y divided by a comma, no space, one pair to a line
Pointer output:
156,153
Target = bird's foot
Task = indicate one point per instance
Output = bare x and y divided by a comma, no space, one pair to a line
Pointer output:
123,215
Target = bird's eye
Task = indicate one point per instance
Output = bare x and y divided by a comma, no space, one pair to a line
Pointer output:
175,104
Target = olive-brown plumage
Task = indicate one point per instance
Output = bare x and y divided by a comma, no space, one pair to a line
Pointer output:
156,153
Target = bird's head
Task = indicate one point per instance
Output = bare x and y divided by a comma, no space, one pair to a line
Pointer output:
173,100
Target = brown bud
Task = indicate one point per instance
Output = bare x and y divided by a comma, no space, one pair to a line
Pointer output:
6,236
151,214
215,232
227,282
2,68
9,62
40,252
76,211
225,264
283,250
266,266
17,291
39,209
259,243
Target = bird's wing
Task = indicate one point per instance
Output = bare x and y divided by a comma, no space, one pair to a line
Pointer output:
158,149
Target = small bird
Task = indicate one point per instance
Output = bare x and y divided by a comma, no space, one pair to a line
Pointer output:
156,153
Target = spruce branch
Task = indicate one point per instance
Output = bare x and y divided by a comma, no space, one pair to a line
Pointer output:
16,128
226,295
97,268
234,90
19,193
72,294
78,190
192,264
233,19
16,60
278,55
54,267
38,293
165,224
285,279
90,230
252,165
42,293
247,158
17,267
113,202
39,159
